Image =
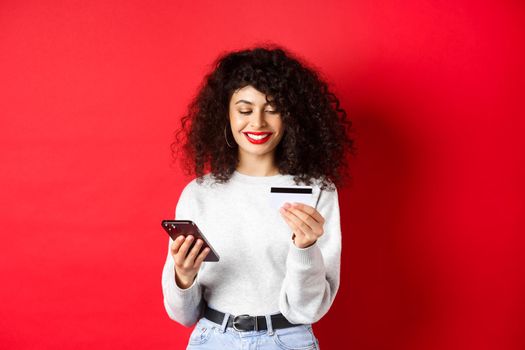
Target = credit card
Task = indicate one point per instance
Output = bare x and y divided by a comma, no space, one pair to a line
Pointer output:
280,195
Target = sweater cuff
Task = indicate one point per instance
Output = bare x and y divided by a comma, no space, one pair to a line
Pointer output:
305,256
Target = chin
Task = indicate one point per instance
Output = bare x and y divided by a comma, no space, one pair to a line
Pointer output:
256,149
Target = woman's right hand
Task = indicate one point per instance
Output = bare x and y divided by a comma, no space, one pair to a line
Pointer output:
187,264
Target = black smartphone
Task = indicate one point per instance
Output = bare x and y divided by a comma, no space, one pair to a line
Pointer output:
176,228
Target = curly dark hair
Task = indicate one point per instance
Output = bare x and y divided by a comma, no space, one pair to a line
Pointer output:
316,137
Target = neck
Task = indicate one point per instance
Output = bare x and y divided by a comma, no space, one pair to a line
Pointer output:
255,165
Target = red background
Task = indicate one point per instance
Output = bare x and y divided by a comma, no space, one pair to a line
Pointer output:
433,219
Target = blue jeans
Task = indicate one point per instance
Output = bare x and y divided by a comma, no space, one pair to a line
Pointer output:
208,335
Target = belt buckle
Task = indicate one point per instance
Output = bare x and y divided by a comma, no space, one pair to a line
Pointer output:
239,318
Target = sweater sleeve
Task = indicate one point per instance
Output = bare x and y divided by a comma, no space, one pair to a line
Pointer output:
182,305
312,274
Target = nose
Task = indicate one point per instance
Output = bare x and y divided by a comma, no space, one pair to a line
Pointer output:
257,120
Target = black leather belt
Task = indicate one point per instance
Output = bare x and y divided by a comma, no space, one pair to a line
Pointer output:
246,323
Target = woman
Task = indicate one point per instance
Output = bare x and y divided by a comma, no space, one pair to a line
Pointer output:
261,119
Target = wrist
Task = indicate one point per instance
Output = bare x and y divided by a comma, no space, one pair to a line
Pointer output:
303,245
183,283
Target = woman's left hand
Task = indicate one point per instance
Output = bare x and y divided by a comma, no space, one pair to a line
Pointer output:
305,221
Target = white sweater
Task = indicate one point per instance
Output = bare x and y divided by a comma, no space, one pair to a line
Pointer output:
260,271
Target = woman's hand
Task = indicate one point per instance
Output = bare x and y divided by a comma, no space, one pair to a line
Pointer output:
187,264
305,221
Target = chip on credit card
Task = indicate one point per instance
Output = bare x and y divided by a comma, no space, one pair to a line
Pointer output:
280,195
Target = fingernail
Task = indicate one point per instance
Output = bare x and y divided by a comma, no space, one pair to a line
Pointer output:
286,205
282,210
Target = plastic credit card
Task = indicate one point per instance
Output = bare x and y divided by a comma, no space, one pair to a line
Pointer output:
280,195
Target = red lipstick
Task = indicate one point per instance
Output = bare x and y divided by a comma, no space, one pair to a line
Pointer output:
257,142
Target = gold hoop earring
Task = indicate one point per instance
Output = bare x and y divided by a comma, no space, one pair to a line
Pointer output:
226,138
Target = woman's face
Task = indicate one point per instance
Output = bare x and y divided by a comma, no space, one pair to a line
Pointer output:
251,113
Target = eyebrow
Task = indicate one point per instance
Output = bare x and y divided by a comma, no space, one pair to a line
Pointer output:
248,102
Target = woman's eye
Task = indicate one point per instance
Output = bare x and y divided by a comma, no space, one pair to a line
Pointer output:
248,112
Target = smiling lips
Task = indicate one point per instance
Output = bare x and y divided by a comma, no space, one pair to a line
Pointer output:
257,137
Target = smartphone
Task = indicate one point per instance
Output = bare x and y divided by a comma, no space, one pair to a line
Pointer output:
176,228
